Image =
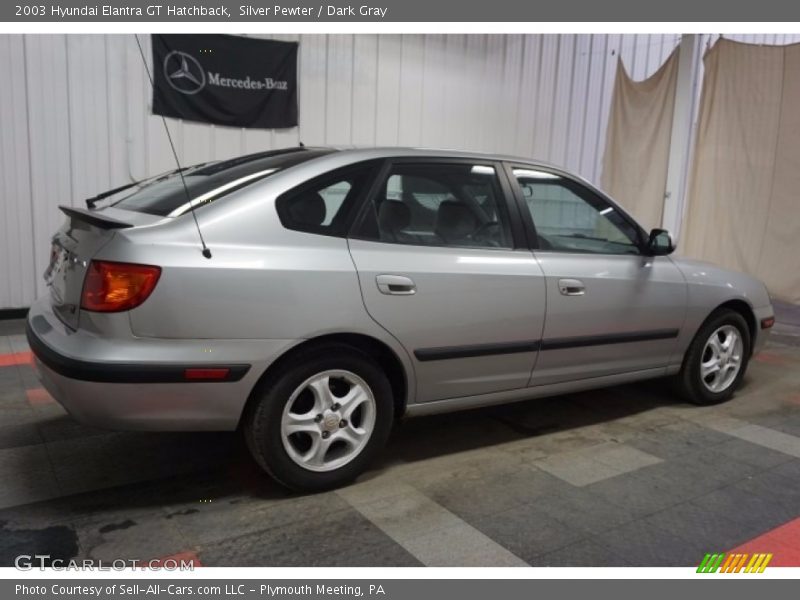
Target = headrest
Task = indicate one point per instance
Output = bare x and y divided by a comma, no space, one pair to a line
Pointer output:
454,221
308,209
393,216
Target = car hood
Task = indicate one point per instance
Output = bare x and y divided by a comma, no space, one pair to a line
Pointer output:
738,284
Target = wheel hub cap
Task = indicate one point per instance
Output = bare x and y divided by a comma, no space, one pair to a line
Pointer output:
331,422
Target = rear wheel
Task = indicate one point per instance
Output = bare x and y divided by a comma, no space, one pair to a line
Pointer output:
319,422
716,360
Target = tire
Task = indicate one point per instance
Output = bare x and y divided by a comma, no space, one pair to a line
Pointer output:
295,397
700,390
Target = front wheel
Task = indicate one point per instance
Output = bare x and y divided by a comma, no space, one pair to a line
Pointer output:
320,421
716,360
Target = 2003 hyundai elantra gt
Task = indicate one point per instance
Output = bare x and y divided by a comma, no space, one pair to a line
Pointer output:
343,289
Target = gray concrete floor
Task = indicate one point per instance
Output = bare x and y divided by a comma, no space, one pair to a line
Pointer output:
622,476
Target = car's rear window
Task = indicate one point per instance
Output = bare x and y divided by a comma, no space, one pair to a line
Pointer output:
164,195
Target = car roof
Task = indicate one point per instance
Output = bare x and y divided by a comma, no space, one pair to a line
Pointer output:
366,153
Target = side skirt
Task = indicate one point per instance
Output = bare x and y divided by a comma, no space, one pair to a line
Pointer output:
530,393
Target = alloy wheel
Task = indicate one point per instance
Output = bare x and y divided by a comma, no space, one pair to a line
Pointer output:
721,360
328,420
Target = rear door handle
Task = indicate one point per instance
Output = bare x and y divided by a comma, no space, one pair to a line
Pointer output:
396,285
571,287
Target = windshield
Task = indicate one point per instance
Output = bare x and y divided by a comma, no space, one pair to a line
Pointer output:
164,195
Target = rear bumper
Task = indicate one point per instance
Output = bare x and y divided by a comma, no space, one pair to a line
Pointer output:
116,372
109,383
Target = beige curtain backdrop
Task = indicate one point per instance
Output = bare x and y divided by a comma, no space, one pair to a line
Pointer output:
744,195
638,139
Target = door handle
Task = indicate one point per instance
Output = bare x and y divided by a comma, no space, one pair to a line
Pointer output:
571,287
396,285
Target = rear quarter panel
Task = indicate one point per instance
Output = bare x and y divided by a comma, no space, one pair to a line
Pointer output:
263,282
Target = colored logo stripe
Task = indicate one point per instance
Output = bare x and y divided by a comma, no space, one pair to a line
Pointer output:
734,563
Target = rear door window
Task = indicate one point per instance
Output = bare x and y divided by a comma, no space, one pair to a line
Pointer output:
439,204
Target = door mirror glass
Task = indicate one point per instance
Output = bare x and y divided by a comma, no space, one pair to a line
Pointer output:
660,243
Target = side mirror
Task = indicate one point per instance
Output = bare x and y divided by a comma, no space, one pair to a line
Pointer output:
660,243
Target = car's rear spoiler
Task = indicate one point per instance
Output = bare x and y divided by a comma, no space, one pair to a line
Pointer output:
93,218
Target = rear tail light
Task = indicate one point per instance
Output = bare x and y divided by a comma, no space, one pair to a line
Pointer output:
767,323
114,286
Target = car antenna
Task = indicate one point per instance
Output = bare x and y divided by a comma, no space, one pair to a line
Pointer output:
206,251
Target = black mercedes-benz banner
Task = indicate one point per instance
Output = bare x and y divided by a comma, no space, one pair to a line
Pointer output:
225,80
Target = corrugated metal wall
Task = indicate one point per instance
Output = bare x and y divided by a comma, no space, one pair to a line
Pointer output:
74,119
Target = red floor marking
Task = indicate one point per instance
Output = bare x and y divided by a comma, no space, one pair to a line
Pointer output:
770,358
39,396
783,542
16,358
182,558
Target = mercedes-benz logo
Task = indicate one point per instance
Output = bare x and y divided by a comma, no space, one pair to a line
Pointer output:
183,72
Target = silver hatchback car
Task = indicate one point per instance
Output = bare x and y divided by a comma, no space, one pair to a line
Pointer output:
343,289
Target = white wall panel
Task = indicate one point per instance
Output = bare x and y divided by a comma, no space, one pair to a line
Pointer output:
52,158
16,245
456,96
388,92
364,90
75,117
